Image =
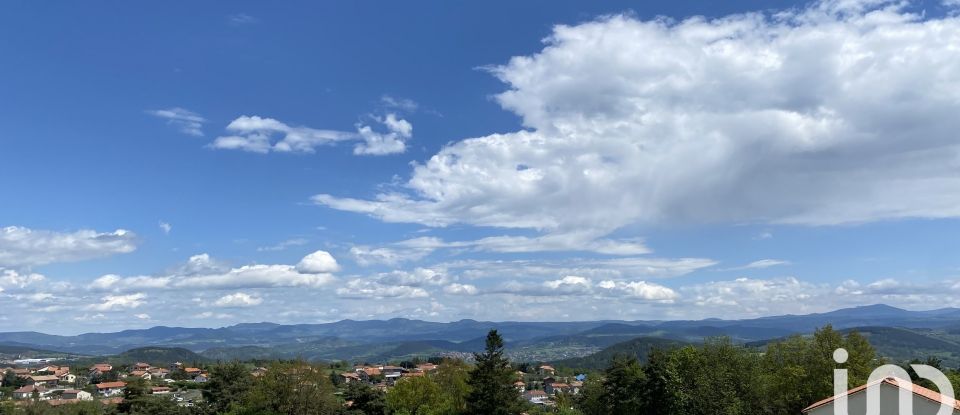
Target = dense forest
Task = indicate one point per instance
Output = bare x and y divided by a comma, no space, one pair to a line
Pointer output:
718,376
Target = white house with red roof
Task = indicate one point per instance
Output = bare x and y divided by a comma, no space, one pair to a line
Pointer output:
925,401
110,388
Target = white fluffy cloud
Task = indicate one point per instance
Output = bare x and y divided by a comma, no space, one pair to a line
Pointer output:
256,134
366,255
572,285
319,262
393,141
112,282
841,112
203,272
187,122
415,278
364,289
21,246
238,300
256,276
263,135
119,302
201,264
755,296
11,279
461,289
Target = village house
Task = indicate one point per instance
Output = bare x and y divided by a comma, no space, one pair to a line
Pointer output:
100,368
44,380
348,377
575,387
546,370
159,373
556,387
17,371
68,378
27,392
925,401
522,387
110,388
141,366
53,370
366,373
426,367
160,390
142,374
74,394
536,397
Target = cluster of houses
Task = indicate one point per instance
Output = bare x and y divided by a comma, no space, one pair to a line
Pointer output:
384,376
551,386
538,388
59,385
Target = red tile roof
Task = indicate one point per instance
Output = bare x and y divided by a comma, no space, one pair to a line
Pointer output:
110,385
899,383
30,389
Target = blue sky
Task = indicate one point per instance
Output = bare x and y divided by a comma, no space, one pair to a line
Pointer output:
208,164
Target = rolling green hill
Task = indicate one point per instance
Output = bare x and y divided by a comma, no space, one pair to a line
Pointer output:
639,347
900,344
11,352
158,355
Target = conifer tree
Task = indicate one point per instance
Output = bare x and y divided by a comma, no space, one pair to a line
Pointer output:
491,382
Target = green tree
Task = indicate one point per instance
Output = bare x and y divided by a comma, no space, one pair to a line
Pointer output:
366,399
623,383
453,376
155,405
662,389
227,385
295,388
491,382
799,370
590,399
12,380
416,395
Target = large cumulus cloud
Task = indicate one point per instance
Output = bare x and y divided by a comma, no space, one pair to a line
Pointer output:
841,112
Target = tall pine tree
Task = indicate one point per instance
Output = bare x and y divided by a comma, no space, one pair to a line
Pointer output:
491,382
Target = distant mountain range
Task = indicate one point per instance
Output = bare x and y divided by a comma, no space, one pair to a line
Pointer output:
377,340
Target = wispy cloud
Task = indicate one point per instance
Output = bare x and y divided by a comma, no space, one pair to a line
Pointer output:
186,121
759,264
263,135
239,19
21,246
404,104
284,245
